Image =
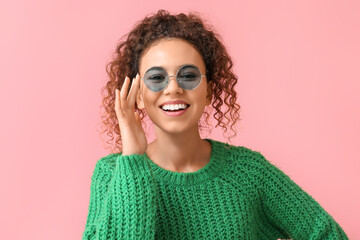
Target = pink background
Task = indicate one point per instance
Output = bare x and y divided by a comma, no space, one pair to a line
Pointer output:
298,69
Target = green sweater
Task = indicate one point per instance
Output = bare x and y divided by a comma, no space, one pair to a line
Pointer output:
237,195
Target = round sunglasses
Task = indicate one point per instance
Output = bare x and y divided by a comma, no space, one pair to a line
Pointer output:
188,77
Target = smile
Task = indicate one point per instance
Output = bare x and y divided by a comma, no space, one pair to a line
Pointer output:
174,107
174,110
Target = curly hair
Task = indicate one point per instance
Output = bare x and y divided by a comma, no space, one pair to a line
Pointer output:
194,30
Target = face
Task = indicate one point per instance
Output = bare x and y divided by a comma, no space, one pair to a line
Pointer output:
171,54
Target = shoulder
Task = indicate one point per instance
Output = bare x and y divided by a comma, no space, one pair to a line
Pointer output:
106,164
237,153
241,156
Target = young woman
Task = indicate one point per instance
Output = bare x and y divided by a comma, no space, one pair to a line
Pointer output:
181,186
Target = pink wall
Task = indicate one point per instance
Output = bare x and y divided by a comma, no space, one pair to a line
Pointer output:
298,68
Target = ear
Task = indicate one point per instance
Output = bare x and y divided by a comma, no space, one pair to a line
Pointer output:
208,94
139,100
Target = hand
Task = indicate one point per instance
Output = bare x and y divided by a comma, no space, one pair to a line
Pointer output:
132,134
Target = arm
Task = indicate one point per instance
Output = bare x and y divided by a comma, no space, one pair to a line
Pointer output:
99,184
122,202
291,209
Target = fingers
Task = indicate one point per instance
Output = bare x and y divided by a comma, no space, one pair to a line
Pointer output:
123,100
133,90
118,96
117,101
123,93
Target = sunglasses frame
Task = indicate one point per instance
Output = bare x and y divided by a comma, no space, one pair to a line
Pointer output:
177,72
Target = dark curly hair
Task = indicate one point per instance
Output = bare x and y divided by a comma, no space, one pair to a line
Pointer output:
194,30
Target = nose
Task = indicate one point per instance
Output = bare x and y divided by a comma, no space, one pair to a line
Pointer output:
173,86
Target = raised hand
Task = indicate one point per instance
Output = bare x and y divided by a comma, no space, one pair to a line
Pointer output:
132,134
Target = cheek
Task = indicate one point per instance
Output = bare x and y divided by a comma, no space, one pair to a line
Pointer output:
201,94
149,99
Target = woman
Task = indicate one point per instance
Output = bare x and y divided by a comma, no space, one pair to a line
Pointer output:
181,186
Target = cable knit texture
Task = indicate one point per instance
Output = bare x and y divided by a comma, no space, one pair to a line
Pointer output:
238,195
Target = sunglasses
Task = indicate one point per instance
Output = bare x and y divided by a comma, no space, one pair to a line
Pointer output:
188,77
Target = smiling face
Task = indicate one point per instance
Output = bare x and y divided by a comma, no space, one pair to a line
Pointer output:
171,54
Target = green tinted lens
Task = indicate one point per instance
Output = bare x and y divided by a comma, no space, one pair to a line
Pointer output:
189,77
156,79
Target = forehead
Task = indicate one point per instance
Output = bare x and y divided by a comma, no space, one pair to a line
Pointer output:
170,54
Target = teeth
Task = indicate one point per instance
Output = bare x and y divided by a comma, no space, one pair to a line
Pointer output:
173,107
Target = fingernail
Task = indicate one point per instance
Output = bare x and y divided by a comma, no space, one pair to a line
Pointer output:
137,75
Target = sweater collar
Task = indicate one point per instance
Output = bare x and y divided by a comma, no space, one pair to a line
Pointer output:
209,171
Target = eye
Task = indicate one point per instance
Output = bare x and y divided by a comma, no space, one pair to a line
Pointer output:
156,78
188,77
189,73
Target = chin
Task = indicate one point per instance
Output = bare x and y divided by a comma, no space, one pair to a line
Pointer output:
176,128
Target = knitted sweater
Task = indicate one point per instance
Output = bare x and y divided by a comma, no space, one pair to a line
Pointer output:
237,195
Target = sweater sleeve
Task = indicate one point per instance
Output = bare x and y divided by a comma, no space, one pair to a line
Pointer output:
122,200
293,211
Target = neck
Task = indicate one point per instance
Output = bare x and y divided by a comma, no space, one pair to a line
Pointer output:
185,151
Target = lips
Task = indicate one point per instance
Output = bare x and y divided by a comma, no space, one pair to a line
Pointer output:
169,108
175,113
174,102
